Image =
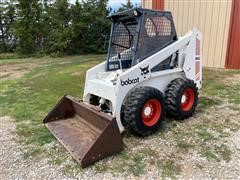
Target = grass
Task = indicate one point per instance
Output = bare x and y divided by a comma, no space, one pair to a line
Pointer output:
29,99
170,169
132,163
204,138
217,153
127,163
215,86
5,56
209,154
185,146
224,152
205,135
206,102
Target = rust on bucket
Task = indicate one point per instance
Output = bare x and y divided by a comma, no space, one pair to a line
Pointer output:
87,133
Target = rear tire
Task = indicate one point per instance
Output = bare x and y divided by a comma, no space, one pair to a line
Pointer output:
181,98
144,110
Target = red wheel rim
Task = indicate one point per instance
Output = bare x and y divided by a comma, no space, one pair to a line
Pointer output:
187,99
151,112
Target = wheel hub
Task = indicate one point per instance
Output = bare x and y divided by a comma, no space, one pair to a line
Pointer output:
184,98
187,99
147,111
151,112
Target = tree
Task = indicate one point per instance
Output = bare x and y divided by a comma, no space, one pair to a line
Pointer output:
54,26
78,28
60,32
98,26
126,6
7,19
28,25
90,27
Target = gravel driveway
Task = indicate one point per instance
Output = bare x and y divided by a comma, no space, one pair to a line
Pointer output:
188,162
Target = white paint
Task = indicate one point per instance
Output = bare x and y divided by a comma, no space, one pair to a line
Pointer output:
147,111
184,98
107,85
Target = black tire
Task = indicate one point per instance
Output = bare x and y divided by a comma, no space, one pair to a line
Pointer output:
175,108
135,117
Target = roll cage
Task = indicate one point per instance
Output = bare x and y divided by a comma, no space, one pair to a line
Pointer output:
137,34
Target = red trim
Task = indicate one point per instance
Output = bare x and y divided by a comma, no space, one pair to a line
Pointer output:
151,112
189,99
233,54
158,4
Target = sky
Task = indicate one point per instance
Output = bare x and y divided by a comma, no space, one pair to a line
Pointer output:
115,4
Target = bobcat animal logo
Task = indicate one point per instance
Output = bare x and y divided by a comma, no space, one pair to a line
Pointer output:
144,71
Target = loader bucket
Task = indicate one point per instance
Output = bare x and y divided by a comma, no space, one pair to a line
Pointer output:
87,133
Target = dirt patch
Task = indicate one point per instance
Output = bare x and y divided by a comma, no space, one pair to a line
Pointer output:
78,74
233,79
14,71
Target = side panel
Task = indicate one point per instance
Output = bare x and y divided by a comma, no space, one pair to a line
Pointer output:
92,74
193,60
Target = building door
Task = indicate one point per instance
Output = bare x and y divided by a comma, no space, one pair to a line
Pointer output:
233,52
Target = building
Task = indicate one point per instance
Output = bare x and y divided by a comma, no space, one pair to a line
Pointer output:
219,20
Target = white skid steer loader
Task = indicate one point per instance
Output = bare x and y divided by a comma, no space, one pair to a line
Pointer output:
149,72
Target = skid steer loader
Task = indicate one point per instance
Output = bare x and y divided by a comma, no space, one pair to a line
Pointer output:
148,72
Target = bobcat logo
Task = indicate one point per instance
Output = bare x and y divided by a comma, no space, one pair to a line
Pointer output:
144,71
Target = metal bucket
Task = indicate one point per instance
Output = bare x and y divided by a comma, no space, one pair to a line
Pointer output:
87,133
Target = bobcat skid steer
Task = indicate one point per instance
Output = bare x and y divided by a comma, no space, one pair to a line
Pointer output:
148,72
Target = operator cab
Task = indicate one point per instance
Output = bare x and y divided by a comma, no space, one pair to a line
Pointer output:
137,34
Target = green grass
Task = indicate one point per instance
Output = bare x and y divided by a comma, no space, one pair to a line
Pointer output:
206,102
209,154
224,152
132,163
215,86
185,146
217,153
16,59
5,56
128,162
30,98
170,169
205,135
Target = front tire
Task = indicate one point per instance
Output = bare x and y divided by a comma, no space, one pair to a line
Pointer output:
144,110
181,98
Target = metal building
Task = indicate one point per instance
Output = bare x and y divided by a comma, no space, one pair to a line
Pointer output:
219,20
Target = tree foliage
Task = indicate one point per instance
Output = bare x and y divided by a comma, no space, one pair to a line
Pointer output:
126,6
55,26
7,19
28,25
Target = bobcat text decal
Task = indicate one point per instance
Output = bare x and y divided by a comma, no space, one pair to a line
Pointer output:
129,81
